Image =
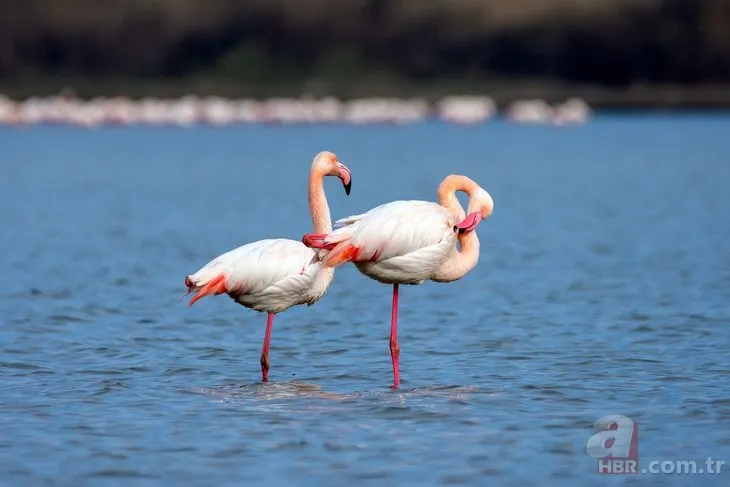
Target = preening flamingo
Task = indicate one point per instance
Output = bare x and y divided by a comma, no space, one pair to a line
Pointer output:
408,242
275,274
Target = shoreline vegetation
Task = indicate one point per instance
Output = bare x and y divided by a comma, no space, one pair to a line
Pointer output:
611,53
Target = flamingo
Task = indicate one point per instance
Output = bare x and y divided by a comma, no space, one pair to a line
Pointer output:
409,242
273,275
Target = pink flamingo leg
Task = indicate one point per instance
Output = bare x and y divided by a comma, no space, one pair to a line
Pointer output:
394,347
265,351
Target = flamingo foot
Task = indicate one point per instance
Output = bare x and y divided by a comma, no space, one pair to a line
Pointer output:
265,351
265,367
395,356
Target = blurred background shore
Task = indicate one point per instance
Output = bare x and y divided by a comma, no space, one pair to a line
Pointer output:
610,53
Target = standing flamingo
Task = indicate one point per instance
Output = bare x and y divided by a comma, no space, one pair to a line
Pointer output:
275,274
408,242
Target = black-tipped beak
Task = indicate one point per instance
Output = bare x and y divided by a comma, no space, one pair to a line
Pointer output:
345,177
469,223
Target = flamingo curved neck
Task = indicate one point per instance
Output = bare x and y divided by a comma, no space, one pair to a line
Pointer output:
460,262
318,207
447,193
463,260
322,223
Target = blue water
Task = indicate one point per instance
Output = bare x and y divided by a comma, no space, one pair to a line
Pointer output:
603,288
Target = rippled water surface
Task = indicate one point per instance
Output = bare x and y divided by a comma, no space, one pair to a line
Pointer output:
603,288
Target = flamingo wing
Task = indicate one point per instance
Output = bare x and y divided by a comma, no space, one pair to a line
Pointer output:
254,267
394,229
268,262
349,220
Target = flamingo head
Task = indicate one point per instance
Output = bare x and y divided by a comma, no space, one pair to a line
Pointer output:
480,208
326,163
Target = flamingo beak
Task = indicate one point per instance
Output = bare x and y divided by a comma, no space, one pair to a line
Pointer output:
345,176
469,223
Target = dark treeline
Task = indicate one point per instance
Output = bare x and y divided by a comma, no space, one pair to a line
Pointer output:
260,42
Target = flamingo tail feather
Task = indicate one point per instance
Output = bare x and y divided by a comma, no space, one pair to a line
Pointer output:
215,286
342,252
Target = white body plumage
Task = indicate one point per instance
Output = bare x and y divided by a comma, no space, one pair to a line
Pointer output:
269,275
402,242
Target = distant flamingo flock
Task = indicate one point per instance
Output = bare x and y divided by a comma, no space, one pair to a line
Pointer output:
402,242
217,111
